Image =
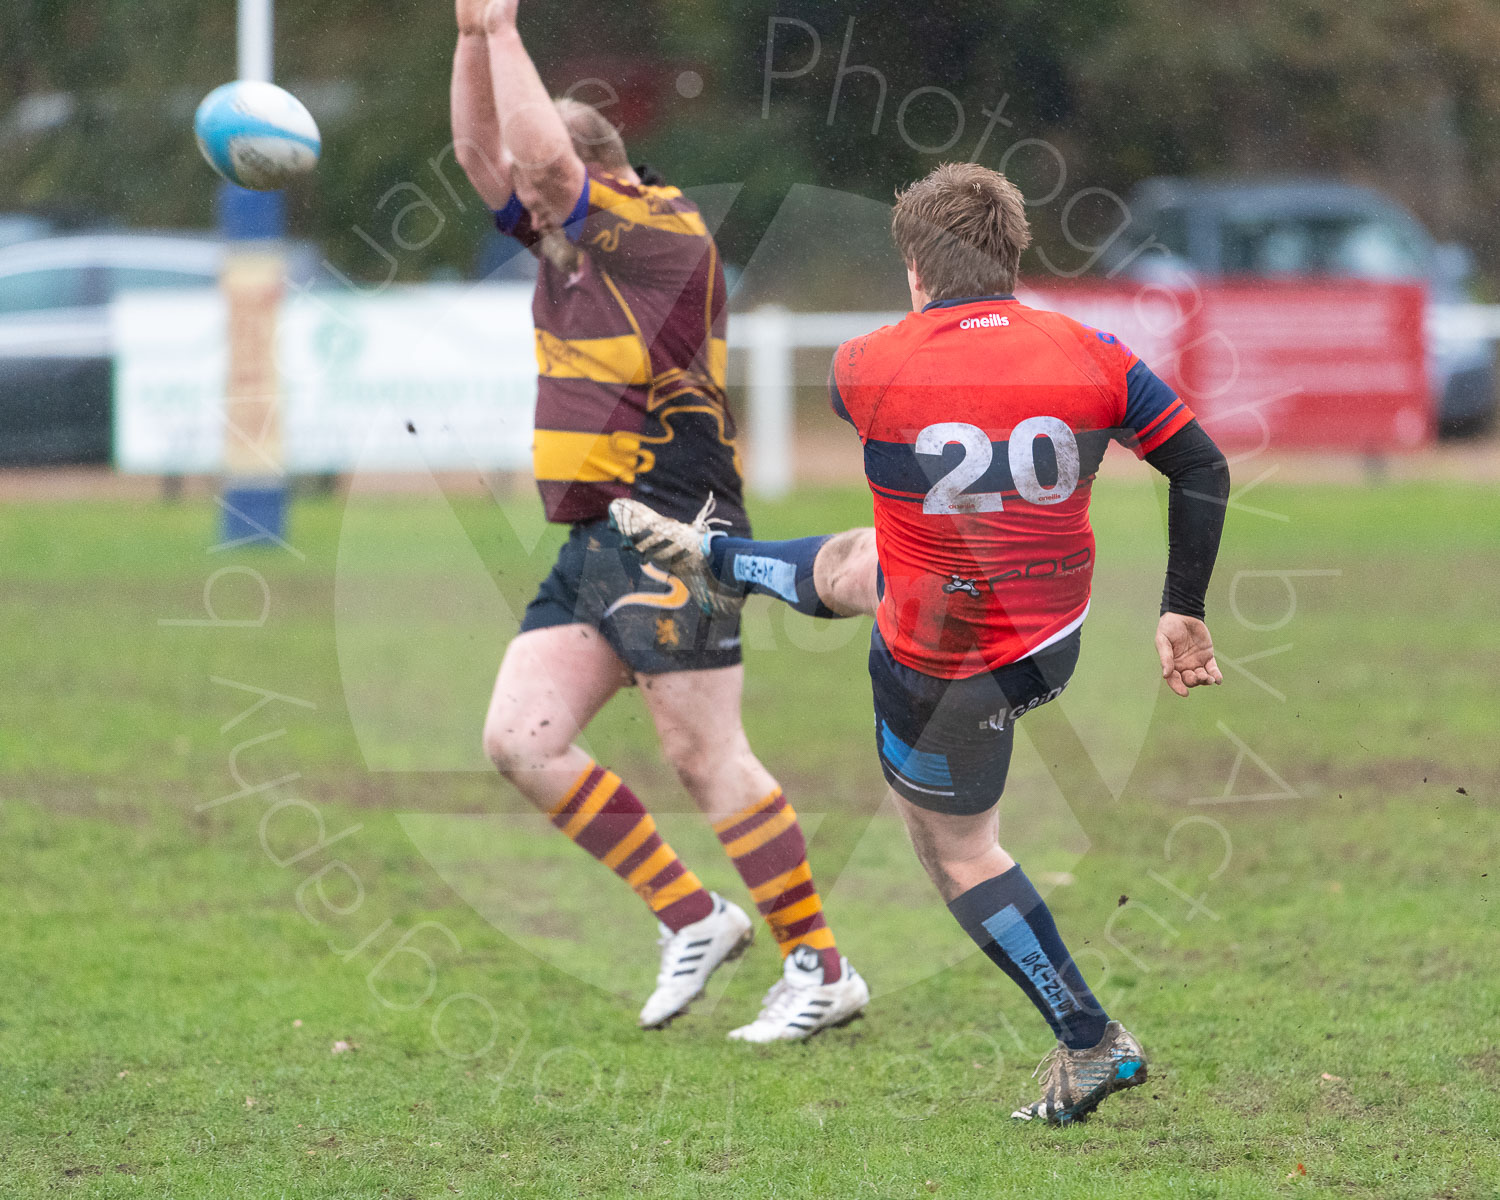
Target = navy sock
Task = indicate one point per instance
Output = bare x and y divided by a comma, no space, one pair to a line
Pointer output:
780,569
1013,926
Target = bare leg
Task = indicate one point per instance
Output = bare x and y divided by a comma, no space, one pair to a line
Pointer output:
697,716
844,573
550,685
958,853
998,907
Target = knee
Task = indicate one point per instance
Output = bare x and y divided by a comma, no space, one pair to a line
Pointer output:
515,744
846,572
695,766
699,760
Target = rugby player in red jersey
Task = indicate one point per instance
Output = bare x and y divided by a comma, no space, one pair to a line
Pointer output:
630,323
983,423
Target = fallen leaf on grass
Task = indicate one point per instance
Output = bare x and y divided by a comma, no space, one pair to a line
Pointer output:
1332,1079
297,1024
249,1101
343,1047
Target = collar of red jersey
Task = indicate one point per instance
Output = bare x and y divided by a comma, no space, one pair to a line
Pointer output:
966,300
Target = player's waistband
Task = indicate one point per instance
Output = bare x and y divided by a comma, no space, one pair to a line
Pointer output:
1062,639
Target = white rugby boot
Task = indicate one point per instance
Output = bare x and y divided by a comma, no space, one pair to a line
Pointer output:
691,955
800,1003
680,547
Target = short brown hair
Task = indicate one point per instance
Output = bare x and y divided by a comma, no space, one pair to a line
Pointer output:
595,140
962,229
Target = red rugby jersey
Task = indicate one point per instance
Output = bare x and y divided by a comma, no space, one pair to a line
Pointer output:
984,422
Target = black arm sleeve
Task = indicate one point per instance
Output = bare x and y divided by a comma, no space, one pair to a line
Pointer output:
1199,479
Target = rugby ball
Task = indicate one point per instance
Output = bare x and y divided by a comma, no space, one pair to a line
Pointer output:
257,135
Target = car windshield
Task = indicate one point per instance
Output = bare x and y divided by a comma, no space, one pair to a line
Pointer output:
1360,246
134,279
44,289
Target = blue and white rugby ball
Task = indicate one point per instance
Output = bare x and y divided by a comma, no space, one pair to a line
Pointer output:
257,135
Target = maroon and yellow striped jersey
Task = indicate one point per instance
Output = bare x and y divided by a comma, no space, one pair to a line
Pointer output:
631,357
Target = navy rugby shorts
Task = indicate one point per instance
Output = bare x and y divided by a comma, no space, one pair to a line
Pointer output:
644,613
945,744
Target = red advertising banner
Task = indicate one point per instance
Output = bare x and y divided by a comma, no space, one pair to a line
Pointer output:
1335,365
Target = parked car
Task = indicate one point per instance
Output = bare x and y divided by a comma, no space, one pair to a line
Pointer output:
23,227
56,370
1314,227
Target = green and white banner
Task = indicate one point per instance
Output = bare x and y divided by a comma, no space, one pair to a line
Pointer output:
435,378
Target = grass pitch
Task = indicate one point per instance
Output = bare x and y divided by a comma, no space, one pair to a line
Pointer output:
297,942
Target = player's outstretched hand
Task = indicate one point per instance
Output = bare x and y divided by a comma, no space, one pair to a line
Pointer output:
1187,653
470,15
501,15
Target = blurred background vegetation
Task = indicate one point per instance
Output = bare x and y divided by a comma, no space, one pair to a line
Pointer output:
96,100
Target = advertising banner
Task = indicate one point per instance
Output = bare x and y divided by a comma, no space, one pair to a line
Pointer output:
439,377
1296,365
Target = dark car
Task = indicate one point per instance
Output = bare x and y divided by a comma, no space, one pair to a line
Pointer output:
1314,228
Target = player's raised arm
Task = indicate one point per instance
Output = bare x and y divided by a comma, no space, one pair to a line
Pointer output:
476,127
1199,479
548,174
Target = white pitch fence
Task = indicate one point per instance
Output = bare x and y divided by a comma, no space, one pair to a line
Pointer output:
770,337
354,368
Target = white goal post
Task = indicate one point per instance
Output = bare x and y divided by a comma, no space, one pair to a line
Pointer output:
770,338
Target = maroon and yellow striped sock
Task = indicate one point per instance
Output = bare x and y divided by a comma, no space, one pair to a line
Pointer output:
603,816
770,854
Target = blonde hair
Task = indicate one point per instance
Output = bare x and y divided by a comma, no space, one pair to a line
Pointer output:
962,229
595,140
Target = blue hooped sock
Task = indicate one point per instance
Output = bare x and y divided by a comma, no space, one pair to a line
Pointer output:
1013,926
780,569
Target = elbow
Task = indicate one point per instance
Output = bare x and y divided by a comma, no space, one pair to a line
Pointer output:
476,164
551,189
1219,473
483,170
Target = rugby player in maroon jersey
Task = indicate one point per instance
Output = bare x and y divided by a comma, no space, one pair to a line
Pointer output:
983,422
630,314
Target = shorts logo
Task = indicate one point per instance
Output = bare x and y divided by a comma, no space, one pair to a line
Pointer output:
667,633
675,597
960,584
988,321
998,721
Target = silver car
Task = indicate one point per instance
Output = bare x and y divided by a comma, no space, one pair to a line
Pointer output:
56,370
